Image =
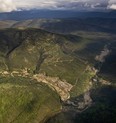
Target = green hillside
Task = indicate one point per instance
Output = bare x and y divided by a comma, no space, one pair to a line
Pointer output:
23,100
40,71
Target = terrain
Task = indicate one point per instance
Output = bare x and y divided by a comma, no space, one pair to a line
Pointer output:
58,70
50,14
67,26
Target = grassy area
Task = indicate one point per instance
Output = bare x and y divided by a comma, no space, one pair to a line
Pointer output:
67,70
83,84
23,100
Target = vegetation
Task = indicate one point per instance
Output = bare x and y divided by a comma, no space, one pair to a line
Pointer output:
23,100
68,57
103,109
83,84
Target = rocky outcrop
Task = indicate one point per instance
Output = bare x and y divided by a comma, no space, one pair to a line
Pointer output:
61,86
87,101
101,57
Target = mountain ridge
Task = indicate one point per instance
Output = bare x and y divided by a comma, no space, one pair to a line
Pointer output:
34,14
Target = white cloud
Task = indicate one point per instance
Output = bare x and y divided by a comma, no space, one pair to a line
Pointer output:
54,3
10,5
7,6
35,3
113,6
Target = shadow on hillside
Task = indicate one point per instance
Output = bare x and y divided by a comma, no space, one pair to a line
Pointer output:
103,109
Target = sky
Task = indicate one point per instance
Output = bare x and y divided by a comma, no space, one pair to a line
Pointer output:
16,5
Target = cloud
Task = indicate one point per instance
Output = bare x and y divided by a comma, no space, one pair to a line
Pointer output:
28,4
58,4
10,5
113,6
112,1
7,6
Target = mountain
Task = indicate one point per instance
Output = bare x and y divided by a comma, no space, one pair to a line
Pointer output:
62,76
35,14
70,25
6,23
38,70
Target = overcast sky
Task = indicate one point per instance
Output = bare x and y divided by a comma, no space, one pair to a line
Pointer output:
12,5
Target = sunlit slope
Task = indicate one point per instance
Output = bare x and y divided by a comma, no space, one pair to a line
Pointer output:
23,100
56,55
40,51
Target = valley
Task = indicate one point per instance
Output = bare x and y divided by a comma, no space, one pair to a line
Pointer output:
56,75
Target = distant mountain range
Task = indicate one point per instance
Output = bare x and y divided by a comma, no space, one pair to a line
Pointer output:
70,25
35,14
